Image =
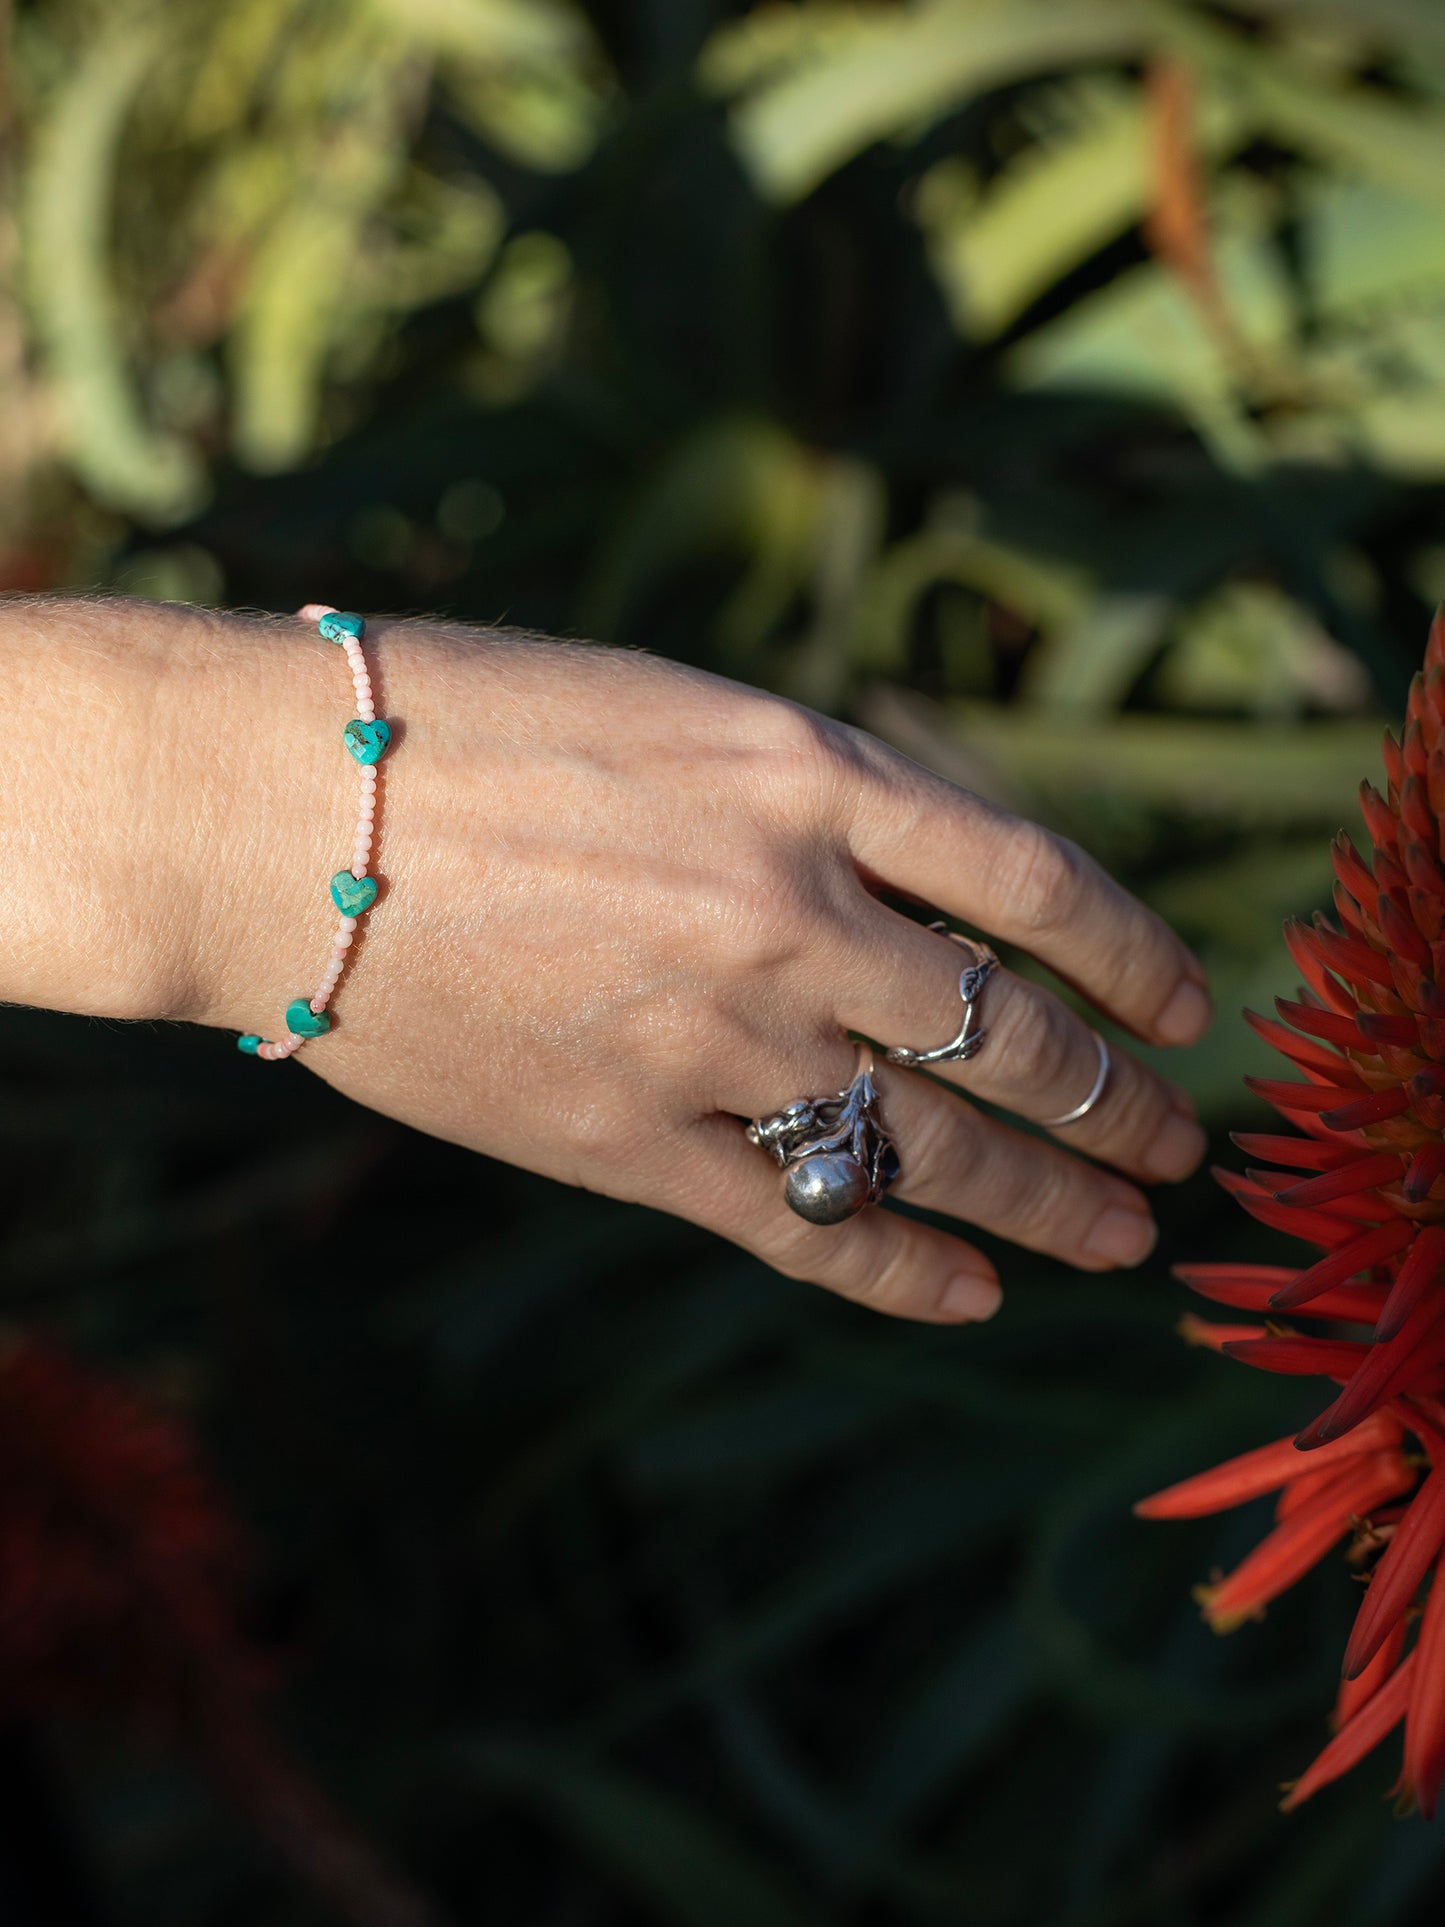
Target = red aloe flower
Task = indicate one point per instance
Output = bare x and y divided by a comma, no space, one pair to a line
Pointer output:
1365,1185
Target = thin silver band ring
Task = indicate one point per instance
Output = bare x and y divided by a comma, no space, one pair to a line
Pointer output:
1082,1110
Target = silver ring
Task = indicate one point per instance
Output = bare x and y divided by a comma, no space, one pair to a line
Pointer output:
972,978
1082,1110
835,1151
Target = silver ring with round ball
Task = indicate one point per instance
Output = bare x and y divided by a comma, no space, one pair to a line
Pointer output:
968,1043
835,1152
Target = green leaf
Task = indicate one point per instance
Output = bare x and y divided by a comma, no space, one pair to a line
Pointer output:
1145,337
1308,1877
1400,1881
124,461
1062,200
1090,1665
767,43
741,487
952,1715
1089,667
1254,775
852,525
877,1538
466,1311
1369,247
836,1839
1399,24
547,117
496,32
763,1433
1240,900
1380,136
683,1867
307,287
1033,585
1250,647
795,129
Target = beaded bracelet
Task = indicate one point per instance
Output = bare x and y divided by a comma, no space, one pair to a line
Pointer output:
353,892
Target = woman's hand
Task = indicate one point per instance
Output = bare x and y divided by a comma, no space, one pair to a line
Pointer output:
625,905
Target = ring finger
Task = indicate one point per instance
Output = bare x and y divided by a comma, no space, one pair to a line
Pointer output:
1039,1060
957,1160
954,1161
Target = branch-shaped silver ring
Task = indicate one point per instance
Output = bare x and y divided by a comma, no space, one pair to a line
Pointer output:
1100,1080
836,1153
971,980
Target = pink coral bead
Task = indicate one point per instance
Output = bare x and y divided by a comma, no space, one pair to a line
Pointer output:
276,1050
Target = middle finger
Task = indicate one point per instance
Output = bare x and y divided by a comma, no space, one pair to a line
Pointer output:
1039,1060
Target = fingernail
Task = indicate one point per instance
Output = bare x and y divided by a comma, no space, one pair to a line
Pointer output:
969,1295
1183,1102
1176,1148
1121,1237
1186,1016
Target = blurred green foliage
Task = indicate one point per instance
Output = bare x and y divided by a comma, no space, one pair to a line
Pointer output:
1057,387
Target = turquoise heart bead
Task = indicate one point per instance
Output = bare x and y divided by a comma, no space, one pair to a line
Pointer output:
249,1044
353,896
303,1021
367,741
341,623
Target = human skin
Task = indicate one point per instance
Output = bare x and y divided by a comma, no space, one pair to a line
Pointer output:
624,905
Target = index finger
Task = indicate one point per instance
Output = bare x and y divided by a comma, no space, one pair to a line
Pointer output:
1028,886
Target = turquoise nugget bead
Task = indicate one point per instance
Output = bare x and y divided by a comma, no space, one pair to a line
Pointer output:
248,1044
304,1021
367,741
340,624
353,896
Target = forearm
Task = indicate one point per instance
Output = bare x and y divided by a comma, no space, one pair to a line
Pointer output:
152,751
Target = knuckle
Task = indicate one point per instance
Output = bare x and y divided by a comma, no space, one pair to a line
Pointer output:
766,913
1043,1205
748,915
1037,1042
780,902
819,763
796,741
592,1136
1138,1105
1045,874
887,1285
938,1144
792,1246
679,1034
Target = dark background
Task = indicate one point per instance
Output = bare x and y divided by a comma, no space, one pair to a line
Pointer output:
1057,388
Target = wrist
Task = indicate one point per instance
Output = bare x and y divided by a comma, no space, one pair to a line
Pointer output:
281,820
131,836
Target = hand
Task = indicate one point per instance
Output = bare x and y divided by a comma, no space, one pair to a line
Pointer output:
626,904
